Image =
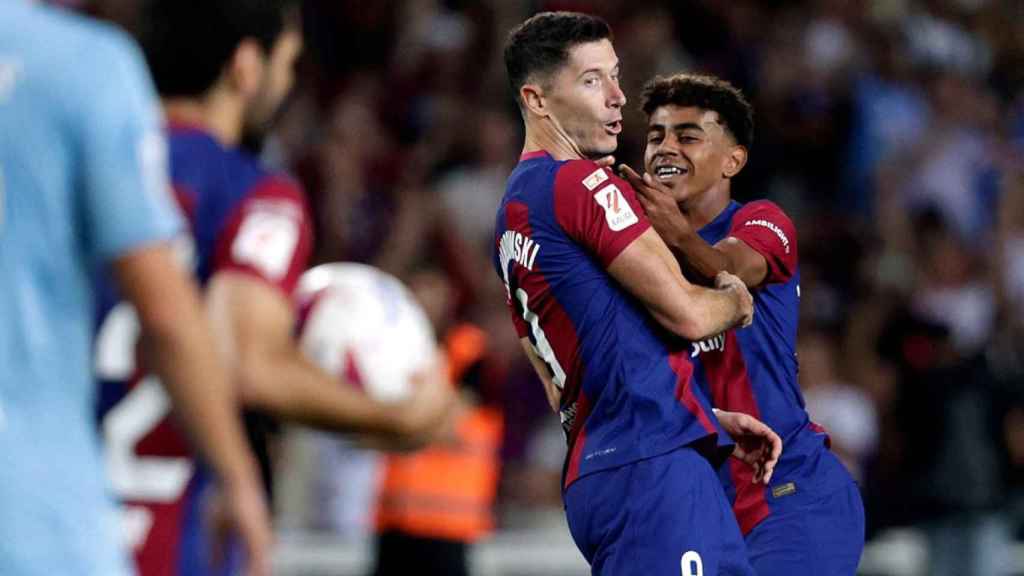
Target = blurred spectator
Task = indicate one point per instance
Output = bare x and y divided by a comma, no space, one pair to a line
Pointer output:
845,411
436,503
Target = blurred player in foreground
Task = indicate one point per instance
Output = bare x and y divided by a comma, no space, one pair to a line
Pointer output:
605,316
223,67
810,518
83,184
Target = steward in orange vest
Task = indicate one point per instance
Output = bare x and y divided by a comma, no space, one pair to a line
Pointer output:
435,502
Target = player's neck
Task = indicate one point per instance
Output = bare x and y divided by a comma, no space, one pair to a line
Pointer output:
547,135
217,113
703,208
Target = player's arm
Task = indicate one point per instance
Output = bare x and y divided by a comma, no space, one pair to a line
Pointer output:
552,392
180,347
649,272
254,321
128,213
731,255
601,212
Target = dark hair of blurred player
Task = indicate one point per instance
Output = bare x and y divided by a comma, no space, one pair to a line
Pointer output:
199,50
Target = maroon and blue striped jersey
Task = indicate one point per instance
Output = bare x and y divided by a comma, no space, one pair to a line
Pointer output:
754,370
627,387
245,219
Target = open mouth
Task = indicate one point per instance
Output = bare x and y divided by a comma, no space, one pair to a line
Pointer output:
613,128
667,172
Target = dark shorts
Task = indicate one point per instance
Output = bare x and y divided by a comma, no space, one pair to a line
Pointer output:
823,536
666,515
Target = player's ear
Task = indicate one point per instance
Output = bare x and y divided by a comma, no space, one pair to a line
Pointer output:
246,68
533,99
734,161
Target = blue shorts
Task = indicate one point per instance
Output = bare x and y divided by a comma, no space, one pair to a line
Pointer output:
820,535
664,515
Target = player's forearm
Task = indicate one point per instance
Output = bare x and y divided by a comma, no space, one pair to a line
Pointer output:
184,355
288,385
697,257
181,351
711,311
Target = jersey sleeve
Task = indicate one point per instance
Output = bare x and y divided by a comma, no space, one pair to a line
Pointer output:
597,209
763,226
126,198
268,236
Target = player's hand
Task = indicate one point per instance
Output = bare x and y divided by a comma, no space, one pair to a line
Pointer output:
423,416
756,443
605,161
240,508
660,206
744,301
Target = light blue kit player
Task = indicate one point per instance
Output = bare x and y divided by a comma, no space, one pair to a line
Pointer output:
82,182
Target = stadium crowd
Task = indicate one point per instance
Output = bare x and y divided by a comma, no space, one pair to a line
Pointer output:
892,131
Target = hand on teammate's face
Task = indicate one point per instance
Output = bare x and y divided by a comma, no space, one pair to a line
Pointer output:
659,204
727,281
756,443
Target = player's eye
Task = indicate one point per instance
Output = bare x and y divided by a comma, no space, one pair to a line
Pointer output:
654,138
590,81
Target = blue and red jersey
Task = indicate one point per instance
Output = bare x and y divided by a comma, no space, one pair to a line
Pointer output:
754,370
242,218
627,387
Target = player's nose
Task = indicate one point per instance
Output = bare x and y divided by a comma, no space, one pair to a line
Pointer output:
616,97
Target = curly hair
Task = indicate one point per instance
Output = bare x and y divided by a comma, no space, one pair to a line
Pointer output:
708,93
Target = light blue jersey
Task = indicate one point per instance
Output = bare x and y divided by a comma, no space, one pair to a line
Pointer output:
82,181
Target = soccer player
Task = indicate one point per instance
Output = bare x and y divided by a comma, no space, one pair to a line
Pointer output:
809,519
605,317
83,184
222,67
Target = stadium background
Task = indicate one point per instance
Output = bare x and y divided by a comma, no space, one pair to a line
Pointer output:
891,130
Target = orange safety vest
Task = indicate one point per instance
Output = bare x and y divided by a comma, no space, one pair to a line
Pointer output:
447,489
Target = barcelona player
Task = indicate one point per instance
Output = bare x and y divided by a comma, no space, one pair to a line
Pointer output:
606,318
83,184
222,67
810,518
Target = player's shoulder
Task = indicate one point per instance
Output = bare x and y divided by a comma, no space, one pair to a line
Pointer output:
88,50
260,180
762,212
583,175
90,66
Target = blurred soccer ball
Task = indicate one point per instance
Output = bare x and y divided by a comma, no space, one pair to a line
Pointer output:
363,324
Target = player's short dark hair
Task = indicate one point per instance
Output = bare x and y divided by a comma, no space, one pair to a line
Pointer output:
189,42
541,44
708,93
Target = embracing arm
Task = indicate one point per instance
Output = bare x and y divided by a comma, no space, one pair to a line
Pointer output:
730,255
647,269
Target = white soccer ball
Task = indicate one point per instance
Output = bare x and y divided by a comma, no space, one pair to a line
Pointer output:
365,326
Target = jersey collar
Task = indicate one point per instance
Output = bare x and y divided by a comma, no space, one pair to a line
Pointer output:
534,155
